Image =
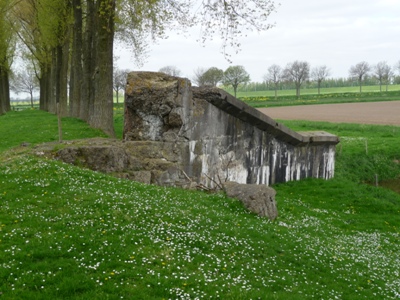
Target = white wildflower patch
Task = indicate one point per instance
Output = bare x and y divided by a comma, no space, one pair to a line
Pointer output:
127,238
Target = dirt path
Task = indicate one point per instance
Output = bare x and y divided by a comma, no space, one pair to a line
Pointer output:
386,113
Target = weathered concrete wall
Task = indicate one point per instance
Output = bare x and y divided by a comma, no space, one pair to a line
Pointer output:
218,138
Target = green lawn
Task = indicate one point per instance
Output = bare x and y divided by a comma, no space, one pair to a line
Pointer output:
69,233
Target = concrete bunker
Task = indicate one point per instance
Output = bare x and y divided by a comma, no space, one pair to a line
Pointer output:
207,136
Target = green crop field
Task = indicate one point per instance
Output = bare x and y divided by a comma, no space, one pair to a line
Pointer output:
71,233
309,91
311,96
264,101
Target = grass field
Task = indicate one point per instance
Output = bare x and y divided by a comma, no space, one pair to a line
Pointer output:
307,91
69,233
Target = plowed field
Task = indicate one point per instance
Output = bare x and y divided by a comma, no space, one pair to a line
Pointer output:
384,113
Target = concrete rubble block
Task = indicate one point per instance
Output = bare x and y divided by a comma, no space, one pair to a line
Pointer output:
106,158
154,106
258,199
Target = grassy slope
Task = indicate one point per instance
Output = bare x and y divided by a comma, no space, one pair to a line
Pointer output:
68,233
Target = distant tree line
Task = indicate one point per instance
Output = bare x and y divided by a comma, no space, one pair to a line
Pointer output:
298,74
310,84
295,75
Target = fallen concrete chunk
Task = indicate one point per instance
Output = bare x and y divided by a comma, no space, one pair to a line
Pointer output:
257,198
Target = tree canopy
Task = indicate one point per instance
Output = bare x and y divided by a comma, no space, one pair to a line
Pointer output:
319,74
383,72
170,70
213,76
210,77
25,81
234,76
297,72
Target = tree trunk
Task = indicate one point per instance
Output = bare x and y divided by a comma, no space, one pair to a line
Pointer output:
7,101
276,91
31,94
2,92
297,90
88,56
75,87
45,86
235,86
58,75
5,104
52,82
102,116
64,78
42,90
50,89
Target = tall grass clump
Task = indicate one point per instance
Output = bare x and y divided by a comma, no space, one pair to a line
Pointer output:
70,233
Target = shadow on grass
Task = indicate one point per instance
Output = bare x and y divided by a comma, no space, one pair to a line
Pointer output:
393,184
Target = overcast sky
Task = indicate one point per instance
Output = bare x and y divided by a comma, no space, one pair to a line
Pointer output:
336,33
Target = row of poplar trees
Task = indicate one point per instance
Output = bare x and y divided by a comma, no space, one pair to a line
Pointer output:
70,43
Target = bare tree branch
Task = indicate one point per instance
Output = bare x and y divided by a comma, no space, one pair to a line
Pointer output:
383,73
319,74
274,76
